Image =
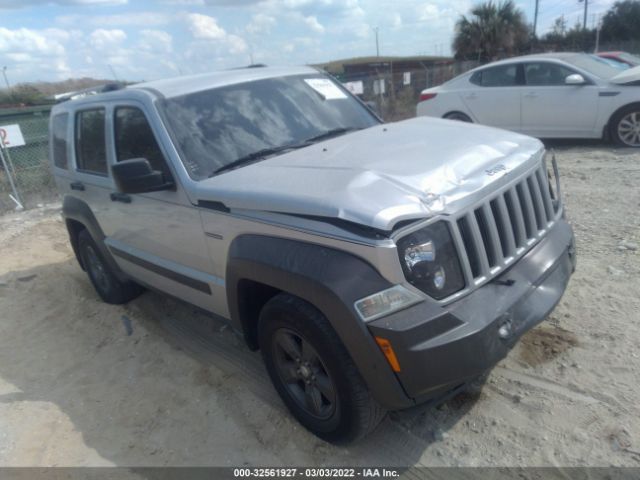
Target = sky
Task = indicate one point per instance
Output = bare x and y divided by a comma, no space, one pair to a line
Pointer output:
49,40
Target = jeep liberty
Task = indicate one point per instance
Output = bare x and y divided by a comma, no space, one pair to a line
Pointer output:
375,266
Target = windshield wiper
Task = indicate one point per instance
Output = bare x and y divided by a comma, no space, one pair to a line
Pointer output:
255,157
334,132
266,152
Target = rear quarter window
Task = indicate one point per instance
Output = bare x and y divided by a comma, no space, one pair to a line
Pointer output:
59,138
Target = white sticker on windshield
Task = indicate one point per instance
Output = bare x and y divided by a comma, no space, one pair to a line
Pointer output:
326,88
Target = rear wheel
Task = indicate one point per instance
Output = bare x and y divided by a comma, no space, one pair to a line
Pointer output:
105,282
313,372
625,127
459,116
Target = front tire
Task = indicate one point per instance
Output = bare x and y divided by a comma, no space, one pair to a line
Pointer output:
313,372
103,279
625,127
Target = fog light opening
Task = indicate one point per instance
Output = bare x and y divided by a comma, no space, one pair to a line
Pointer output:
504,331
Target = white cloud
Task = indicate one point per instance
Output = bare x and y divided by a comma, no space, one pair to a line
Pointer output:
27,40
81,3
261,23
313,23
205,27
155,41
147,19
236,44
427,11
103,39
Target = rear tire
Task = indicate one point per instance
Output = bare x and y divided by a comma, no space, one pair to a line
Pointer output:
459,116
313,372
106,283
625,126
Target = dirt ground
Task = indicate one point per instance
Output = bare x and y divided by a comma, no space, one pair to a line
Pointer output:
157,382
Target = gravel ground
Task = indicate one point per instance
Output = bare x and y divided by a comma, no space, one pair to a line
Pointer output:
157,382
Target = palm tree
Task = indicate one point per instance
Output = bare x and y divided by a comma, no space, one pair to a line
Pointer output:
492,30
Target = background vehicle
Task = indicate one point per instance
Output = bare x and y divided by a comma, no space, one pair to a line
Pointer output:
560,95
621,57
375,266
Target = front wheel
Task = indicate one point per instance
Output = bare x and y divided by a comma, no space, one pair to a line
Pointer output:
625,127
313,373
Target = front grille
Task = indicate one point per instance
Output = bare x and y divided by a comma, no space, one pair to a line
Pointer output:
493,235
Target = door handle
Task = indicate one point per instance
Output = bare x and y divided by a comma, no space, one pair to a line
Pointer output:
77,186
120,197
471,96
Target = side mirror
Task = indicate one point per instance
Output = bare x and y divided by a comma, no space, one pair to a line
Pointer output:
136,176
575,79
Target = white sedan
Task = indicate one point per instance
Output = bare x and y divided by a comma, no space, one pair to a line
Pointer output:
556,95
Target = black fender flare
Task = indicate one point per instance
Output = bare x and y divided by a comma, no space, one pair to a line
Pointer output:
78,210
329,279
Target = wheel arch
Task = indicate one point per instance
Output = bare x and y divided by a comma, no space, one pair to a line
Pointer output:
259,267
458,112
78,216
609,126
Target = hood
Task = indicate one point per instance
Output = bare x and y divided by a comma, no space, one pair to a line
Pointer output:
627,76
379,176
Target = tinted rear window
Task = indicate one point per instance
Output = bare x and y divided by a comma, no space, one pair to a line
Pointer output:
59,134
91,154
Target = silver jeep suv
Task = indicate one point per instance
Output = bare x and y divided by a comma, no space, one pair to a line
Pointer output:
376,266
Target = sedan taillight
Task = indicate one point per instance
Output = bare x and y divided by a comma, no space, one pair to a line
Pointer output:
427,96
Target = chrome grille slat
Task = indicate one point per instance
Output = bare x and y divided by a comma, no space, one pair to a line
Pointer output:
479,243
546,196
495,243
517,209
528,213
538,206
506,226
492,235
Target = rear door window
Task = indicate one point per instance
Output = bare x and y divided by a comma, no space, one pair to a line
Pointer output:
500,76
91,153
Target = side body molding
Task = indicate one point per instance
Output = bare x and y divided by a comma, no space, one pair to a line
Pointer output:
329,279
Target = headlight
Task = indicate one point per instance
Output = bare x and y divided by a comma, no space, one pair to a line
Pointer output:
430,261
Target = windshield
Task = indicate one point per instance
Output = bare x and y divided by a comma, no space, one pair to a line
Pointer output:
594,65
632,59
219,127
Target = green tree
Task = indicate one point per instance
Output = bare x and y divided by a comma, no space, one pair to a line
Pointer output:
622,21
491,30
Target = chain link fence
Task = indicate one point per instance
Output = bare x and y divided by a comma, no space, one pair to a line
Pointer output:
25,174
393,91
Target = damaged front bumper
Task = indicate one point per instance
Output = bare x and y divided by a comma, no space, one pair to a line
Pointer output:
440,348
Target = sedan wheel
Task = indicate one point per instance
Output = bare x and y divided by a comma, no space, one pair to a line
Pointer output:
629,129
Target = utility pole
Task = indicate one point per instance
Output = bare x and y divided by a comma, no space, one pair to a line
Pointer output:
376,29
586,6
598,27
6,80
535,19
